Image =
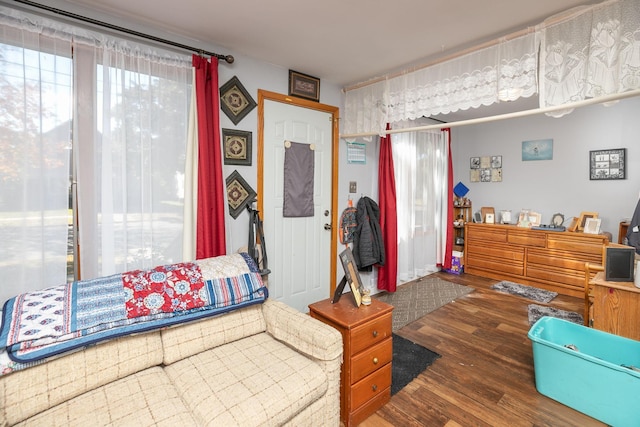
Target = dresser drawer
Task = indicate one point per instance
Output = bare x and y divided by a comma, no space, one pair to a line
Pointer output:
563,276
370,334
362,364
486,233
578,244
562,260
495,252
529,239
371,386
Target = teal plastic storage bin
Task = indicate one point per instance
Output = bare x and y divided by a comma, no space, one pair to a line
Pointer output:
594,379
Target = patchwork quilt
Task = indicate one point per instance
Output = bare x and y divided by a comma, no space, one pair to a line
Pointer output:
42,324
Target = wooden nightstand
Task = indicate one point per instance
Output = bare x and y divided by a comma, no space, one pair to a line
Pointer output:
365,379
616,307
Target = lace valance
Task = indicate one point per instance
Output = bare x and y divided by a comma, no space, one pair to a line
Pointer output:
594,52
502,72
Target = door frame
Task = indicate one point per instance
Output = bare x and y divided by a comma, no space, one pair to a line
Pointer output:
264,95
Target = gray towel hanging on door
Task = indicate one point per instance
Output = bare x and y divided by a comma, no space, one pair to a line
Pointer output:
298,179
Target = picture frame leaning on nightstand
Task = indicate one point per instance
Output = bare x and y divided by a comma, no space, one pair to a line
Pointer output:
351,276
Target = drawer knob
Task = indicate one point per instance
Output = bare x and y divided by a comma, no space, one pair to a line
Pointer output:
375,334
374,387
375,360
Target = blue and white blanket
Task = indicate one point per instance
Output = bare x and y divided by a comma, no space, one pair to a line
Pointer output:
42,324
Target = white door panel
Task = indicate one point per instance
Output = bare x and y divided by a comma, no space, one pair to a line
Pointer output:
298,248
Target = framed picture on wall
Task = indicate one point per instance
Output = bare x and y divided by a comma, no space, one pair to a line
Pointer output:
496,162
304,86
235,101
539,149
239,194
237,147
608,164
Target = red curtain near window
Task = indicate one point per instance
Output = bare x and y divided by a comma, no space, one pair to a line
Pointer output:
387,274
210,229
449,243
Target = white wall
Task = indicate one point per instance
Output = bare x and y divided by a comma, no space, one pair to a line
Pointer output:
561,184
256,75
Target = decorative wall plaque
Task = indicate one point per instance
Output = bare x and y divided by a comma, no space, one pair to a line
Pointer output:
237,147
239,194
235,101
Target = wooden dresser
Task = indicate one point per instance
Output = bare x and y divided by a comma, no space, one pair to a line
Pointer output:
365,379
551,260
616,307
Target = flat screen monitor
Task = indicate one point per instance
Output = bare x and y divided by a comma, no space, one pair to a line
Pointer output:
619,264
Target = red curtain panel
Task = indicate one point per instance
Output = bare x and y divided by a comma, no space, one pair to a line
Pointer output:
387,274
449,245
210,229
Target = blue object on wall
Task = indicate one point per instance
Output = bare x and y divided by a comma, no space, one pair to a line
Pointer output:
460,190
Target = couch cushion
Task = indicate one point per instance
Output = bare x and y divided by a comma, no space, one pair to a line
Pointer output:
249,382
35,389
146,398
181,341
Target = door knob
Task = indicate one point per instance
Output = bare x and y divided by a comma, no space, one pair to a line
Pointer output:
327,226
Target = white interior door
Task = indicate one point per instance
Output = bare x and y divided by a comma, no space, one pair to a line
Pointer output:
298,249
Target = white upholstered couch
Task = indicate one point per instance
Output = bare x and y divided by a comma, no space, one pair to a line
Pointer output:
265,364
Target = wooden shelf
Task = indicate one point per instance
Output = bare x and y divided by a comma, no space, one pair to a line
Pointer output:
462,213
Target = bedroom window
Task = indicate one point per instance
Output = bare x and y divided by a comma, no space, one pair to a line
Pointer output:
35,161
93,137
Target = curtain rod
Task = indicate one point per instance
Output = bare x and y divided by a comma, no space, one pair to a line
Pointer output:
228,58
572,105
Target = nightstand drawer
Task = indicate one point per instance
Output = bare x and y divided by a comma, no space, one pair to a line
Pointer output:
373,332
371,359
371,386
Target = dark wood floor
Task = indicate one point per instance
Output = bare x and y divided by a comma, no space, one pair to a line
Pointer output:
485,376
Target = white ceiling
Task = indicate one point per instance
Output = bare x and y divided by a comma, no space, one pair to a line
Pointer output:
340,41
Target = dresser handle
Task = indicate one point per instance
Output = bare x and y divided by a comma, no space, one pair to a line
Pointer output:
375,334
375,360
374,388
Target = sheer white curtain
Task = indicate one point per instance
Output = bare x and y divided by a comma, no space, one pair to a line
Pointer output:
130,145
35,152
190,214
420,162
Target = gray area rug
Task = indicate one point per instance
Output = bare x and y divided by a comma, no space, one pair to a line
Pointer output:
538,311
414,299
535,294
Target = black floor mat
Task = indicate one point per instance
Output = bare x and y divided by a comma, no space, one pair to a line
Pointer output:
409,360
